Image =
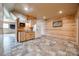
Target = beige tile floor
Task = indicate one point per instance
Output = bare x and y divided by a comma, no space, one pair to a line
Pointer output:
44,46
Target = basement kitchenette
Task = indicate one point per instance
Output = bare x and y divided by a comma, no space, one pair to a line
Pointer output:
25,30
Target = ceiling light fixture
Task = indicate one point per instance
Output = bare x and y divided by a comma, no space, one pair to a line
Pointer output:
60,12
26,8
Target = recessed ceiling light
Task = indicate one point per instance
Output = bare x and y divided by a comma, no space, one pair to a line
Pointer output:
60,12
26,8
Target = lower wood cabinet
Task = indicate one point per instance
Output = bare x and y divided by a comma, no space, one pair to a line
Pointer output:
24,36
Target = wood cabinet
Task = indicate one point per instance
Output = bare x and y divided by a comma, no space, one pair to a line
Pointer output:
29,35
25,36
22,34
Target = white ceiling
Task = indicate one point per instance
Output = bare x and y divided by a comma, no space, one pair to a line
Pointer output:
44,9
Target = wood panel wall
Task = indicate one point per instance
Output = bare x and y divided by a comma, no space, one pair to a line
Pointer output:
78,26
67,31
77,21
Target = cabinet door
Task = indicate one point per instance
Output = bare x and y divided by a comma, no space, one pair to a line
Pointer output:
32,35
28,36
22,36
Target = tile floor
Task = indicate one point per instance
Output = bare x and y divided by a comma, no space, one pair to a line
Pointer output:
44,46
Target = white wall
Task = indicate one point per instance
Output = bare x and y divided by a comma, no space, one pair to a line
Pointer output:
40,28
1,36
21,17
6,28
8,18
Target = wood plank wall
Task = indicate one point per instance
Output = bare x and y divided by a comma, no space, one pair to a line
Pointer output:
67,31
77,25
